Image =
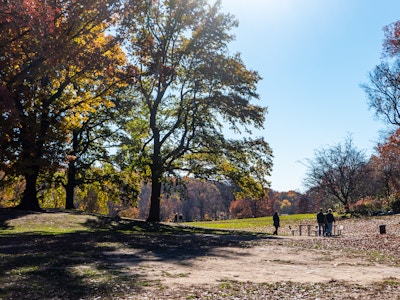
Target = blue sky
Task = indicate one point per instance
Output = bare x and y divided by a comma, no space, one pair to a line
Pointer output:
313,56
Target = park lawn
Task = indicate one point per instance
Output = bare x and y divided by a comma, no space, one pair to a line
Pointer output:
77,221
255,224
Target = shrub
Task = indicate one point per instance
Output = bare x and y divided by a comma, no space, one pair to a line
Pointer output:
368,206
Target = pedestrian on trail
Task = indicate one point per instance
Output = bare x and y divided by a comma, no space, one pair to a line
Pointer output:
276,223
330,219
321,222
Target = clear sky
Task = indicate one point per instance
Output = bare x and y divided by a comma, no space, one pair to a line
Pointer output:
313,56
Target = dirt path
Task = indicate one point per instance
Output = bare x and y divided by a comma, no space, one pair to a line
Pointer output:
266,261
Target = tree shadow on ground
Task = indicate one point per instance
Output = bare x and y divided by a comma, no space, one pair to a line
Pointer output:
87,264
7,214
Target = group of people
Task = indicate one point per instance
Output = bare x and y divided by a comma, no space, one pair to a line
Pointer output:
325,222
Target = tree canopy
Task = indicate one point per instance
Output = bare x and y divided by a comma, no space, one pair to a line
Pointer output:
383,91
338,171
190,89
57,65
64,71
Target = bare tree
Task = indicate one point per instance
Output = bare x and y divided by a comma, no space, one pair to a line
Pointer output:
338,171
383,91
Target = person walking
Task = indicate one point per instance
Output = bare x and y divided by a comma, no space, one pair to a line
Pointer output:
276,223
321,222
330,219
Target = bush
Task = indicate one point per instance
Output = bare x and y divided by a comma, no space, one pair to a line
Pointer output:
368,206
395,203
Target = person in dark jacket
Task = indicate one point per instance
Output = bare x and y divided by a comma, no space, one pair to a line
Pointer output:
321,222
330,219
276,223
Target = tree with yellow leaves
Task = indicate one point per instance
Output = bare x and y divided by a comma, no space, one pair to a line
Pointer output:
191,91
57,67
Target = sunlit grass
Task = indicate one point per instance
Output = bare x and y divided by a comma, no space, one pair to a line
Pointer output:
252,224
55,224
47,224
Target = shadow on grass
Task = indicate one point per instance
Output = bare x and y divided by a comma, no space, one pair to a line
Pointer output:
102,262
7,214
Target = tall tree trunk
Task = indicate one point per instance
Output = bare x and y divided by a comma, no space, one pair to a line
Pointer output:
154,214
70,186
156,173
29,199
69,199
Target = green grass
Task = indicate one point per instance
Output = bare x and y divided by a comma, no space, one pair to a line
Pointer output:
78,222
47,223
253,224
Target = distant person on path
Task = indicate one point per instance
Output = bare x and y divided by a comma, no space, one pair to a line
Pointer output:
330,219
321,222
276,223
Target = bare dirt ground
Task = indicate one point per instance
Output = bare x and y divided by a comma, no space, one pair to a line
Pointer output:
267,261
124,260
360,260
